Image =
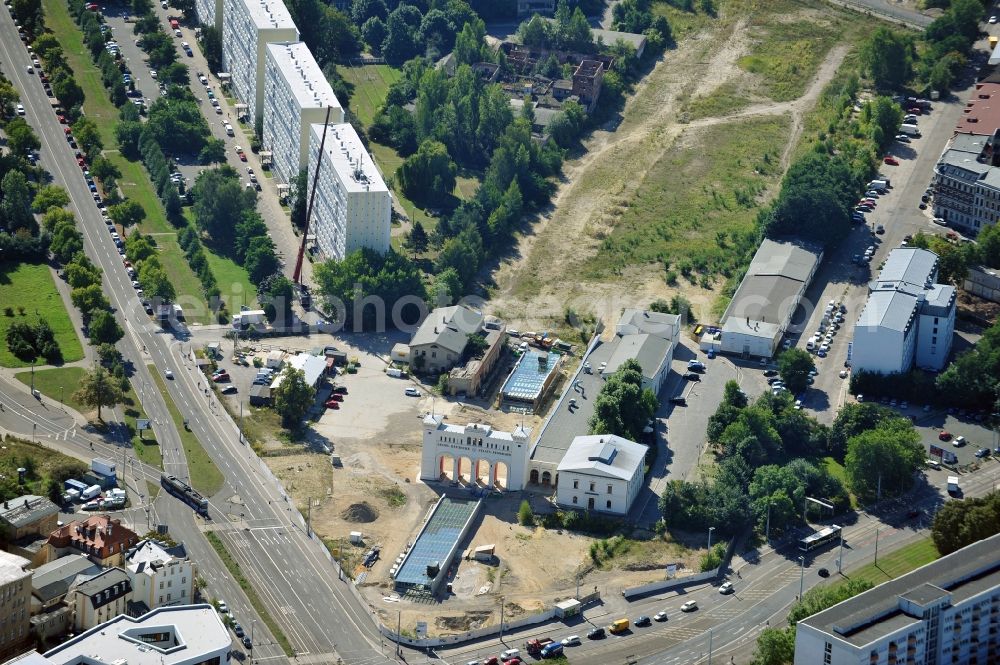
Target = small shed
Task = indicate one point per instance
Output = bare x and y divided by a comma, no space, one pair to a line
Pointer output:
275,359
260,395
567,608
400,353
339,358
213,349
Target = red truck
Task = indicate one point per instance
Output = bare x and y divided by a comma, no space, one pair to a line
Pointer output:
174,25
535,646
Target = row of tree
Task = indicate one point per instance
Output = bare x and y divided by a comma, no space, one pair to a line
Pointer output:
407,30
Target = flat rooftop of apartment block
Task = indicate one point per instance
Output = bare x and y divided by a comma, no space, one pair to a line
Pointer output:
345,151
305,78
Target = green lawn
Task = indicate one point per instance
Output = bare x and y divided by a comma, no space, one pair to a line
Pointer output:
899,562
57,383
28,287
205,476
371,82
682,23
186,283
135,185
234,283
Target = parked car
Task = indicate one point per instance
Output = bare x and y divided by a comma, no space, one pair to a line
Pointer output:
411,392
891,161
696,366
959,441
229,390
571,641
726,587
221,378
332,404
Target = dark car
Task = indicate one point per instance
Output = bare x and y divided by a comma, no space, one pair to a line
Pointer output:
982,452
679,401
770,372
692,376
642,621
246,642
823,572
596,634
341,390
238,629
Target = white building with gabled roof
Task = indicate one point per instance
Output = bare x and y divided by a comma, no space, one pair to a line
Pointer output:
474,454
353,206
296,96
160,575
601,473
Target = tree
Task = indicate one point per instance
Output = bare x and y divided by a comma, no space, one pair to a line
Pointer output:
535,32
49,196
127,134
67,90
883,117
15,203
155,283
66,242
525,516
623,407
794,366
21,138
775,646
416,239
128,213
989,246
428,176
89,298
103,329
961,523
300,198
261,260
293,397
365,273
447,288
400,42
373,32
88,136
99,389
883,459
733,395
30,341
211,46
470,43
887,58
219,198
81,272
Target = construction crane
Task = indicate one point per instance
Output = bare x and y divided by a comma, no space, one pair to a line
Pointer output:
305,298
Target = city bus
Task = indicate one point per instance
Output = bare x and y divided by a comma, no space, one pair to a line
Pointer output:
820,539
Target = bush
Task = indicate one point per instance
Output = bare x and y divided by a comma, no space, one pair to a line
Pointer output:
525,516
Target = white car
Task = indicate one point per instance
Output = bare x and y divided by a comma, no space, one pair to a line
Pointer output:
411,392
660,616
825,348
727,587
152,73
571,641
169,374
689,606
20,109
993,19
29,69
959,441
229,129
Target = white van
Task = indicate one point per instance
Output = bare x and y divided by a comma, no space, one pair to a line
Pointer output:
811,344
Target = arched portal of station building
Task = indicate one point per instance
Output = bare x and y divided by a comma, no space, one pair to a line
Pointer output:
533,478
474,454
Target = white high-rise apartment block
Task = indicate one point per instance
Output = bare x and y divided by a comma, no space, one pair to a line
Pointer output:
209,12
353,206
945,612
248,26
296,95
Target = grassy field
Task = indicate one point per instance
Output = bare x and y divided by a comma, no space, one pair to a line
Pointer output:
682,23
371,82
205,476
57,383
234,569
186,283
28,288
233,282
40,461
728,98
894,564
694,192
785,53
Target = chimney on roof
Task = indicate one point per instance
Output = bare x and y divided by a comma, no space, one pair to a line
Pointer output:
5,506
25,503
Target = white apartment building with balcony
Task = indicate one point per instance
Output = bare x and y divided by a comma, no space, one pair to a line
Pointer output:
945,612
296,95
209,12
353,206
248,26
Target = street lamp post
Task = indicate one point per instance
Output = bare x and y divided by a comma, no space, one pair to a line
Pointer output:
876,546
710,530
60,394
252,624
840,555
802,574
501,619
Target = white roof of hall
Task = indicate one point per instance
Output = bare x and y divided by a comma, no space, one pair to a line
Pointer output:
604,455
195,633
270,15
305,79
345,151
909,265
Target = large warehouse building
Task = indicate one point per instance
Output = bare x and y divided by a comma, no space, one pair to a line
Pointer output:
767,298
